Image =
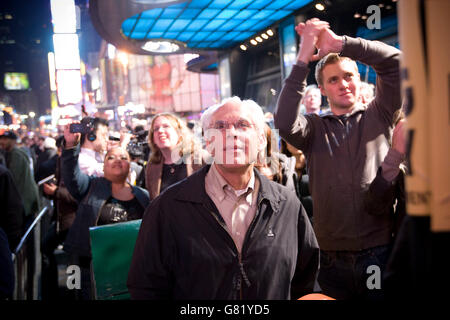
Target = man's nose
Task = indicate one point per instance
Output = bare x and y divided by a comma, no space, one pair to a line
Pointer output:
343,84
232,131
117,161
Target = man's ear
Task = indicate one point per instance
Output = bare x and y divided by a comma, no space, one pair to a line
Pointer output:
322,91
209,147
262,139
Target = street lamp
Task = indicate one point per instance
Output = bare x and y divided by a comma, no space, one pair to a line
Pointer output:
123,58
31,114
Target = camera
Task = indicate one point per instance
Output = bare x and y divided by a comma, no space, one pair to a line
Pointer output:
82,128
137,149
138,146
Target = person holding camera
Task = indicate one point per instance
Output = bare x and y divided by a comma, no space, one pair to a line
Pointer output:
102,200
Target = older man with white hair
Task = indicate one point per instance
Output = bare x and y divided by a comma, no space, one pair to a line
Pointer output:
226,232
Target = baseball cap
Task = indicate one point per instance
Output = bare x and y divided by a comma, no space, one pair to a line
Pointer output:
9,134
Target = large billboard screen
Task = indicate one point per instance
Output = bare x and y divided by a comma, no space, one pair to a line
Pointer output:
16,81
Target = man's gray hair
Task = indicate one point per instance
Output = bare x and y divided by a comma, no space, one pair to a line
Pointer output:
311,87
254,109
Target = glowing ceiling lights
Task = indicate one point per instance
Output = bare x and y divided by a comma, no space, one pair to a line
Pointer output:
319,6
258,39
161,46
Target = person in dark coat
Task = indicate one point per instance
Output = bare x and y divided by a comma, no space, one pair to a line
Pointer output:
6,268
226,232
18,164
12,214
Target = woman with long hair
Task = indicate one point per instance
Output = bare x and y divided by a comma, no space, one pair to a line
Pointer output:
175,154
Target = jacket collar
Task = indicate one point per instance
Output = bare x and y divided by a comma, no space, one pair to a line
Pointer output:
356,109
194,189
101,188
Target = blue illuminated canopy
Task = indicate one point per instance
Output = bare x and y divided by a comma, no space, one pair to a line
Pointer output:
209,24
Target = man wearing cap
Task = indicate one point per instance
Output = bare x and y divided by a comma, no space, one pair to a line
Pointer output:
17,162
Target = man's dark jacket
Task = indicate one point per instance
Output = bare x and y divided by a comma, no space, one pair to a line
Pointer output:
344,153
184,251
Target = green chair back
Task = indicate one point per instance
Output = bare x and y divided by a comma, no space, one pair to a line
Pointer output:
112,248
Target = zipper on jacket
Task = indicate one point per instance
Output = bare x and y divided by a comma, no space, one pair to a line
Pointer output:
243,276
350,155
248,233
217,219
239,255
241,265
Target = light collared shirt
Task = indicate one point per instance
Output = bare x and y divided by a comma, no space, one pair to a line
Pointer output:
90,162
237,207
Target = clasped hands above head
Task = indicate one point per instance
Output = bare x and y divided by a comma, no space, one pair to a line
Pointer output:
316,34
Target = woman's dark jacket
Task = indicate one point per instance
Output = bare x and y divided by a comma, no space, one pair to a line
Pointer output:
183,250
153,172
92,193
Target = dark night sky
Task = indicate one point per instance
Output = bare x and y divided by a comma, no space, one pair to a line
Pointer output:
25,41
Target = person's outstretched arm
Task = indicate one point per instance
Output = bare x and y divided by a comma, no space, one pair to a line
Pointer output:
75,181
292,125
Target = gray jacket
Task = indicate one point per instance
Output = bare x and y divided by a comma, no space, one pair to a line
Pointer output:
344,155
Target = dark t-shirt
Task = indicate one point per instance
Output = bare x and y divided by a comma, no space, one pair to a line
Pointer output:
172,173
115,211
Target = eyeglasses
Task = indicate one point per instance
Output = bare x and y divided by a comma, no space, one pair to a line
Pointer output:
240,125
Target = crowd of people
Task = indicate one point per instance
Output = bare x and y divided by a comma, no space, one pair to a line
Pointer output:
254,209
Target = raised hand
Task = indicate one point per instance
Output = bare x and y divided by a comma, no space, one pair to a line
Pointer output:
328,42
316,34
309,33
71,139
